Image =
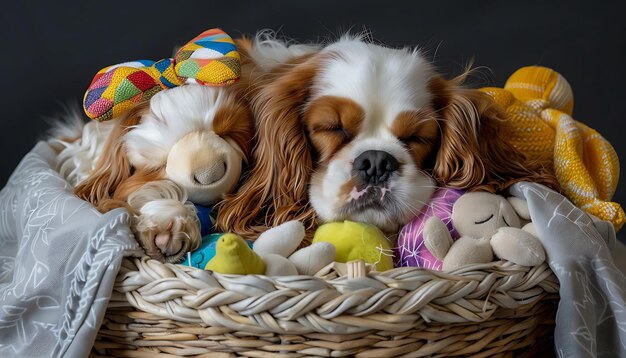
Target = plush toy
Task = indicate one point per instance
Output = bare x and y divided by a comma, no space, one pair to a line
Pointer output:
355,241
278,245
200,257
275,251
233,255
539,102
488,224
410,249
226,253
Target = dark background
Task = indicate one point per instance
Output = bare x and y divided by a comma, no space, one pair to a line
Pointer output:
52,49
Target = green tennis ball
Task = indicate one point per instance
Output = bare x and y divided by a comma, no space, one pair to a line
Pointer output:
234,256
355,241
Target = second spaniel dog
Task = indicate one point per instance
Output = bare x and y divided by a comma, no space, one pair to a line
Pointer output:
185,143
356,131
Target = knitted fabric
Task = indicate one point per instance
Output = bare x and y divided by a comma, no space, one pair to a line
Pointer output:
540,102
210,59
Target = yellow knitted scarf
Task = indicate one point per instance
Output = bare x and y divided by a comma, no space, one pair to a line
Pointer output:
539,102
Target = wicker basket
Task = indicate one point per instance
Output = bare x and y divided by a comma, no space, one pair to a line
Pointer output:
165,310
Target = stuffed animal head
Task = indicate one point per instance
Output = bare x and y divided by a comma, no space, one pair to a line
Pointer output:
480,214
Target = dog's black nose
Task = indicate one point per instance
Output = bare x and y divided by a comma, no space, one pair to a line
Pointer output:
375,166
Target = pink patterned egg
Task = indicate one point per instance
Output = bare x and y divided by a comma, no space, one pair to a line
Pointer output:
411,251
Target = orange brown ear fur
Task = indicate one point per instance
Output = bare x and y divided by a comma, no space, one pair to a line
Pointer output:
473,150
114,178
276,188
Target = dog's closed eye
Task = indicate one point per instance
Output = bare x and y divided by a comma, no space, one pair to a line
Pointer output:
416,139
339,131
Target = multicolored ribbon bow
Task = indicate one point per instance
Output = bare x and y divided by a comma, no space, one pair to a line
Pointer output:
209,59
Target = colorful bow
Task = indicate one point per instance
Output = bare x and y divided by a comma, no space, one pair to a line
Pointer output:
209,59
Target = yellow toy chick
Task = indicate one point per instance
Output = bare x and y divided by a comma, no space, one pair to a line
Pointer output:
540,102
234,256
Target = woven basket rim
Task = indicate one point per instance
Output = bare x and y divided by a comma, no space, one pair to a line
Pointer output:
394,300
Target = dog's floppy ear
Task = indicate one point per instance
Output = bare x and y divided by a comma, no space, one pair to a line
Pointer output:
275,189
112,169
473,151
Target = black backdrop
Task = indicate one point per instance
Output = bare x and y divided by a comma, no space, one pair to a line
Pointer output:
51,49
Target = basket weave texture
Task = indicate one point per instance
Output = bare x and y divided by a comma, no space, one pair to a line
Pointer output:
166,310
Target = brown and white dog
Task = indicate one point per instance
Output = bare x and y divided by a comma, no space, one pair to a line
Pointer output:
356,131
187,142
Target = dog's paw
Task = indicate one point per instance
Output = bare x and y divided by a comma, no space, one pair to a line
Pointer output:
164,222
167,229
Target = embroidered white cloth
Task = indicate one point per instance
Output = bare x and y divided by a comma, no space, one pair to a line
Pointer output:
591,318
58,261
